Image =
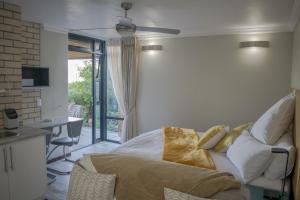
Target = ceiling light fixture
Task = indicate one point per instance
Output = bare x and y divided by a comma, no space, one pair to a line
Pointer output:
247,44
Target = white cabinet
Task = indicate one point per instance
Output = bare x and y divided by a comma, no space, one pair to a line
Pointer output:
4,188
26,169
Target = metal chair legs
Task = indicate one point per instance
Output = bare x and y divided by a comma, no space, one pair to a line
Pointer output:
55,171
51,178
58,172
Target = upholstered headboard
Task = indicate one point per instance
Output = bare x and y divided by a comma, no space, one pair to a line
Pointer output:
296,175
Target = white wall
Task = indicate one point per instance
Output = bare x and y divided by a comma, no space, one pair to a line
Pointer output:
54,54
296,58
201,81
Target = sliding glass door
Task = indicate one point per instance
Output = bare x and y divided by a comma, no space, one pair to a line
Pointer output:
80,67
102,117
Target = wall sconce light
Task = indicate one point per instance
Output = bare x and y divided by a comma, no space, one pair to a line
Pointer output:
152,48
247,44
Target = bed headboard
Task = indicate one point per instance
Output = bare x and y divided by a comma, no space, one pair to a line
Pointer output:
296,175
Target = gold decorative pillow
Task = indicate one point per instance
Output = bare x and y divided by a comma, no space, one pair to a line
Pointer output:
212,136
223,145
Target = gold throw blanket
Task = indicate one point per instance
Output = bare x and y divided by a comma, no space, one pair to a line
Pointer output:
181,146
142,179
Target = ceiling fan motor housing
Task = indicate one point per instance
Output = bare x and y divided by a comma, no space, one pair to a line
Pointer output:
126,30
126,5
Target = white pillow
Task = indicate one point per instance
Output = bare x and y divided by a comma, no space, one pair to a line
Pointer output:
89,185
249,156
277,167
275,121
175,195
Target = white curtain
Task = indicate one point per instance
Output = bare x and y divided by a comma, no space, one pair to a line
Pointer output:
122,62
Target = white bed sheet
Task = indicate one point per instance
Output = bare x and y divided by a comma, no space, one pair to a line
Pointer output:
150,145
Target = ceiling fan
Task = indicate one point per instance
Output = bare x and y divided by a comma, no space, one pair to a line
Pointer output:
125,27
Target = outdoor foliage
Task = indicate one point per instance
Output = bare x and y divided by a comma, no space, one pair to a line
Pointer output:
80,93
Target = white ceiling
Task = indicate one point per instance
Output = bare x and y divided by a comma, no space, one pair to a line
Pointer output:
193,17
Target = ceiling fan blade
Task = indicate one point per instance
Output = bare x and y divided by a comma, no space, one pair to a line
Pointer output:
89,29
158,30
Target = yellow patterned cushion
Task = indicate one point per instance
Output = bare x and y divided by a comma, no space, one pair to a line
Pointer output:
230,137
212,136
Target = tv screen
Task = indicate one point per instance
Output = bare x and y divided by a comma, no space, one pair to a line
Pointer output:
35,76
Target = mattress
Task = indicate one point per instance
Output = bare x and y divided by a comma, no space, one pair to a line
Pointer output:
150,145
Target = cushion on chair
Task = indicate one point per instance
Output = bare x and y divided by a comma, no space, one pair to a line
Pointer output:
89,185
64,141
176,195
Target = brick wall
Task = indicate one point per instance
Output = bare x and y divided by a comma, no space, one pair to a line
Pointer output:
31,56
31,42
10,58
19,44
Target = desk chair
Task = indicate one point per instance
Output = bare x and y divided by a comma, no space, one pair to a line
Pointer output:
74,132
74,110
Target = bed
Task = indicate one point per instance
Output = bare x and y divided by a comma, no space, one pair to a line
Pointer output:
150,146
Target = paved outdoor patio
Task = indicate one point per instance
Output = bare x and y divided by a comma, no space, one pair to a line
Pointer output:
86,137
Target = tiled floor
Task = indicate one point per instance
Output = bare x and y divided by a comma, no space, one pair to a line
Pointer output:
58,189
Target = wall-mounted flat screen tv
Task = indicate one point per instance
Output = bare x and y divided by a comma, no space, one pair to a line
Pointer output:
35,76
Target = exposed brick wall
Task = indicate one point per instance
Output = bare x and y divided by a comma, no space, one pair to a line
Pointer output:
30,110
19,44
31,41
31,56
10,58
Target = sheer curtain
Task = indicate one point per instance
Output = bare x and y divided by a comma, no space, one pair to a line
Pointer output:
122,62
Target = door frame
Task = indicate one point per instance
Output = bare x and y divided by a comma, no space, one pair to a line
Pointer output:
102,93
102,85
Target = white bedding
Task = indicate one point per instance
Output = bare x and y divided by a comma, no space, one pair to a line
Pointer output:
150,145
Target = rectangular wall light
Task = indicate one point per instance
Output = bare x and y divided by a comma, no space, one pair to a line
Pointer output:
152,48
246,44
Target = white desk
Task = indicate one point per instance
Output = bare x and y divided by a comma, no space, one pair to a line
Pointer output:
56,122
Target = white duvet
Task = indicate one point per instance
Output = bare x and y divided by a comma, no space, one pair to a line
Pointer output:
150,145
